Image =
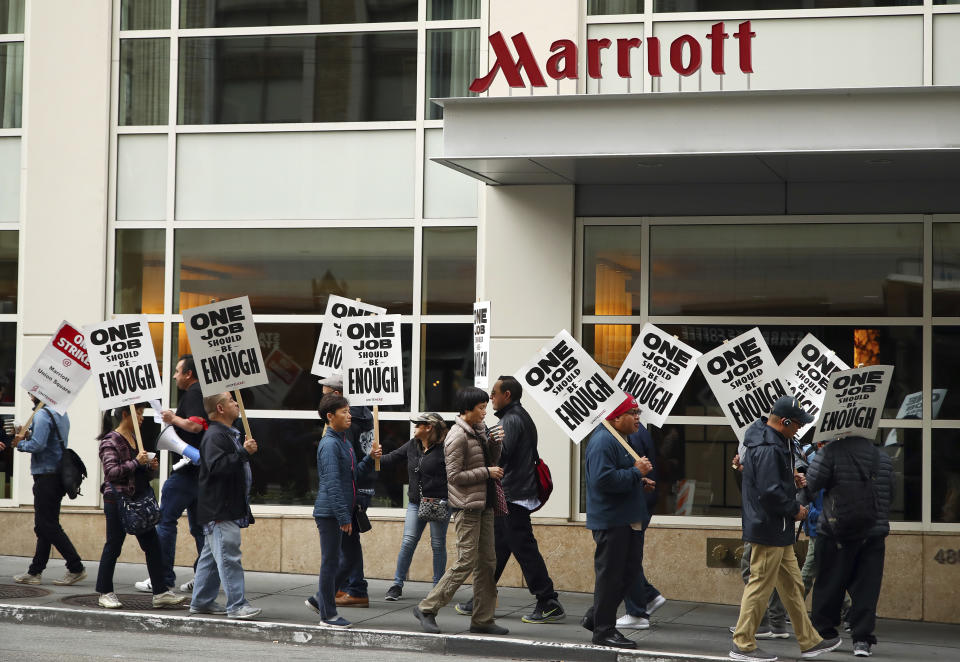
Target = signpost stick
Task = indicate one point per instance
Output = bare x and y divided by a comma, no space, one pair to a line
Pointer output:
376,434
243,414
136,427
26,426
623,442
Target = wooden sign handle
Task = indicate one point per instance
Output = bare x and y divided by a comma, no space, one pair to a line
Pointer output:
136,427
376,434
26,426
623,442
243,414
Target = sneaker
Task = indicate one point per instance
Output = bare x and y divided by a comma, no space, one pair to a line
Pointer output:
824,646
338,622
756,655
393,593
145,586
464,608
109,601
615,640
628,622
71,578
763,632
427,621
27,578
655,604
489,628
246,611
312,605
214,608
548,612
862,649
187,587
777,632
168,599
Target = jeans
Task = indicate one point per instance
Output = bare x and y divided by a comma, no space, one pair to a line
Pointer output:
149,543
331,538
856,568
514,535
616,562
350,576
413,528
179,493
220,563
641,592
47,496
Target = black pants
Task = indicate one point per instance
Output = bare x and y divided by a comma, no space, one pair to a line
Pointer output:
149,543
513,534
617,564
48,493
855,568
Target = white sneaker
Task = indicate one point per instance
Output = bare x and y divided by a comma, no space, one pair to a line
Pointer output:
145,586
655,604
629,622
245,612
187,587
168,599
109,601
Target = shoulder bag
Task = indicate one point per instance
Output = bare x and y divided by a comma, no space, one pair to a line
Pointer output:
137,515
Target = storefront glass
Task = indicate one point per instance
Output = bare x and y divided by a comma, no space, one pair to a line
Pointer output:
453,62
612,261
946,269
11,85
9,251
248,13
449,271
145,14
139,268
11,16
144,81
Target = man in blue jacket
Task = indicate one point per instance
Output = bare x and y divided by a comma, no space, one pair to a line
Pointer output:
47,439
770,506
616,513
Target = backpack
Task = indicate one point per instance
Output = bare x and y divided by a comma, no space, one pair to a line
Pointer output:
850,509
72,470
544,483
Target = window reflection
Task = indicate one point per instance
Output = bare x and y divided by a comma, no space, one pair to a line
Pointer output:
946,372
241,13
6,458
355,77
9,252
145,14
452,10
453,62
8,363
945,501
144,81
612,260
946,269
139,272
447,356
11,85
11,16
449,280
600,7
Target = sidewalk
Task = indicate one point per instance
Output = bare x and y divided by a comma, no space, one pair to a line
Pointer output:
680,630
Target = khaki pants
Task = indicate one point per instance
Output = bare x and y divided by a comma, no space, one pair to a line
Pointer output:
773,568
475,554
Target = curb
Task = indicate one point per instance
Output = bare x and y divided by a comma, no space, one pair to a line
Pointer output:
315,635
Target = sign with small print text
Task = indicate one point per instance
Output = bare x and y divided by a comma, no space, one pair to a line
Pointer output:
60,371
372,360
853,404
122,357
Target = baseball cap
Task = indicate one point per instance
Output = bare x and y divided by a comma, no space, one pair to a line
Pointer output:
788,406
629,403
430,418
333,381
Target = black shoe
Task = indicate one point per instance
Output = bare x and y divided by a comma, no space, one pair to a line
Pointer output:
587,621
615,640
427,621
756,655
862,649
464,608
548,612
311,603
393,593
489,628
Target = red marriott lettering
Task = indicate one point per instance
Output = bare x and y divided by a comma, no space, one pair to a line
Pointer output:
686,56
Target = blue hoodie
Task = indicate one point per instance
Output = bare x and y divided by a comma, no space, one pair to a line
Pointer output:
768,492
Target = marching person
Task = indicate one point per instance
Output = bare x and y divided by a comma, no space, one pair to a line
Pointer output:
179,491
351,584
223,508
427,479
127,473
471,458
851,536
514,533
335,510
616,512
45,441
770,506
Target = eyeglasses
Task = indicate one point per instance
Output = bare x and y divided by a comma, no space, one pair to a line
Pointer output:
421,424
632,412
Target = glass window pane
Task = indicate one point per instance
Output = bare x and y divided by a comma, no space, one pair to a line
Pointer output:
753,5
452,10
946,372
144,81
600,7
905,448
11,16
946,476
9,252
453,62
8,363
356,77
291,271
946,269
787,269
145,14
139,272
142,177
240,13
11,85
285,465
612,260
6,458
447,356
898,346
449,271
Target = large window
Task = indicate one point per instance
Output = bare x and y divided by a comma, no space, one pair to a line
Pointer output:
601,7
11,85
9,251
243,13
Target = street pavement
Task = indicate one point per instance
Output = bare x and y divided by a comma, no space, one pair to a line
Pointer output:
679,630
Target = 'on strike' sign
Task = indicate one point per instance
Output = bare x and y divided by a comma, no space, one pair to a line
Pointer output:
60,371
372,360
121,354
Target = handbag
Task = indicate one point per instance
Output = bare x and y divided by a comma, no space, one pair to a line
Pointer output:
500,505
361,519
432,509
137,515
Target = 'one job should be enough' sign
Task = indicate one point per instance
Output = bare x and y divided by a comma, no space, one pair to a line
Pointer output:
122,356
372,360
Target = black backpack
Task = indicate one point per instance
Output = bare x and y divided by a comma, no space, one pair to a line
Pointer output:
72,470
850,509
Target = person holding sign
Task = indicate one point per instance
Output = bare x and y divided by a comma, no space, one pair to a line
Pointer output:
471,458
770,506
223,509
45,440
616,513
335,508
127,473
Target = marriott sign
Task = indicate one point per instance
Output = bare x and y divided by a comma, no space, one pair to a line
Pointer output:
686,56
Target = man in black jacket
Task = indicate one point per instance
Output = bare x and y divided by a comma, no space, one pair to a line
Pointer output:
514,533
223,508
770,506
850,560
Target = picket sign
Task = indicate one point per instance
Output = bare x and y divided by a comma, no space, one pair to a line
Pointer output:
623,442
26,426
481,344
136,428
61,369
